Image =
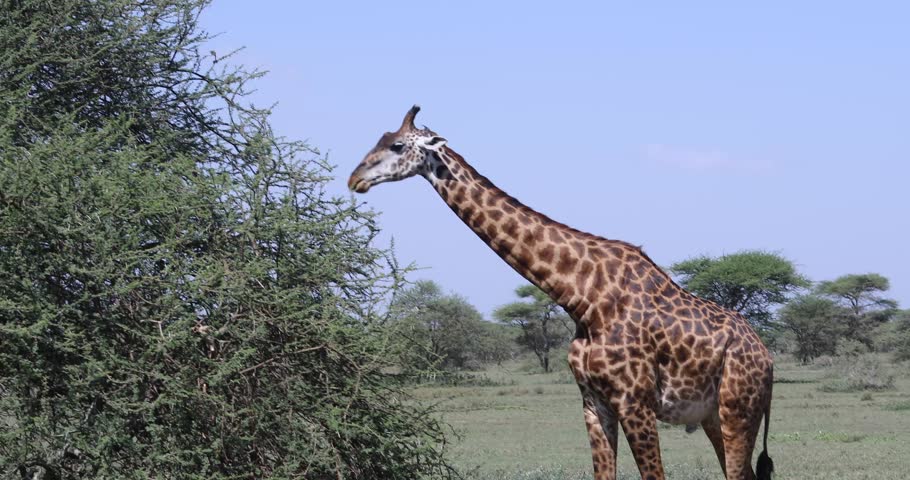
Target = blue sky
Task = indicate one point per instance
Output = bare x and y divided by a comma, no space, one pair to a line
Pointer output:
703,128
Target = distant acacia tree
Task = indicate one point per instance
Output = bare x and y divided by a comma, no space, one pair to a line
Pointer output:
817,324
496,343
751,282
179,297
543,323
862,295
444,330
902,338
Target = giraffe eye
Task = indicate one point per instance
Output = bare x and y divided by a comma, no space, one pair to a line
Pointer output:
397,147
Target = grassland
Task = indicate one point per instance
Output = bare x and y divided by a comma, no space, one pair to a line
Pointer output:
528,425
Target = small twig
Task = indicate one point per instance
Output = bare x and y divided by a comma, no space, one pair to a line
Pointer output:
266,362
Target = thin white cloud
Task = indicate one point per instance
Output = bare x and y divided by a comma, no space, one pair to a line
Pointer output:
701,159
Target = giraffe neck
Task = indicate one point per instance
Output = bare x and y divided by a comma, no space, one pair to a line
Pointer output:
550,255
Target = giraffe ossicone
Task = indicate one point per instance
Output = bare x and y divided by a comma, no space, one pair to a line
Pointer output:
644,348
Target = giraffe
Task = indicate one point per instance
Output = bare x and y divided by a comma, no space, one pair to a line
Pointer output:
644,348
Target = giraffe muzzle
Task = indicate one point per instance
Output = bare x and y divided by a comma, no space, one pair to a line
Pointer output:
357,184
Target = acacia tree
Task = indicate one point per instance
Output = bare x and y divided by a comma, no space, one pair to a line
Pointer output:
179,297
750,282
816,323
543,323
443,330
861,295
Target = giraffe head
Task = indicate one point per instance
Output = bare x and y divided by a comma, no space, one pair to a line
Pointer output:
398,155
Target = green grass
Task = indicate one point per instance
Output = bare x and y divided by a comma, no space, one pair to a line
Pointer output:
529,426
903,406
561,473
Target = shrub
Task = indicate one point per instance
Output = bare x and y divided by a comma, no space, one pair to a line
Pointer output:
440,331
564,377
851,348
854,374
901,337
456,379
179,296
824,362
899,406
888,336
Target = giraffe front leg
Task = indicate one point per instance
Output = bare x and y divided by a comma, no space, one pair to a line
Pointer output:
601,422
639,423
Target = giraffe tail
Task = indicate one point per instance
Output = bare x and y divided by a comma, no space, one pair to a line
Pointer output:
765,467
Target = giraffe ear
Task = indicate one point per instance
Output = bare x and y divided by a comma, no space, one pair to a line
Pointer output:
435,142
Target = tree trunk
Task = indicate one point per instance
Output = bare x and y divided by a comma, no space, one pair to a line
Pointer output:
541,357
546,343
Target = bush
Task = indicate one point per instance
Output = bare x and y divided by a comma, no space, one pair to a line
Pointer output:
824,362
901,336
898,406
851,348
888,336
439,331
179,297
454,379
781,341
902,350
860,373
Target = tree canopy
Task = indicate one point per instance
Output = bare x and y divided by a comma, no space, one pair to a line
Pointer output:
544,324
817,324
179,296
445,331
862,295
750,282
